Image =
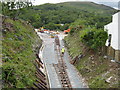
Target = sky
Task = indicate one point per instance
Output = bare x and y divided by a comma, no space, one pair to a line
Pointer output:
38,2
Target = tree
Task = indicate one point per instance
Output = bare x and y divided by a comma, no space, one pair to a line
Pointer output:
94,38
51,26
12,8
64,27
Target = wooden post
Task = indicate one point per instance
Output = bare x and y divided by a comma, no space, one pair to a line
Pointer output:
39,58
39,63
42,84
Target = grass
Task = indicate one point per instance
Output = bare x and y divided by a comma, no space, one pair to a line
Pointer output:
74,43
20,44
92,70
98,82
89,6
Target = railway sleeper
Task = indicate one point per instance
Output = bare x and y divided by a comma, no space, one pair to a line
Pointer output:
61,72
66,85
65,82
63,77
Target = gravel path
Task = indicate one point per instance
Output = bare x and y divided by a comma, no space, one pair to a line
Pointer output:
49,57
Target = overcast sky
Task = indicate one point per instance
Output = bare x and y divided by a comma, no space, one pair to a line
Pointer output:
38,2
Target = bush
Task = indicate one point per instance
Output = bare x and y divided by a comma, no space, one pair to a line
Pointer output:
72,30
94,38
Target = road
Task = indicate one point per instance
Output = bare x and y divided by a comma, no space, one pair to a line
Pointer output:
49,58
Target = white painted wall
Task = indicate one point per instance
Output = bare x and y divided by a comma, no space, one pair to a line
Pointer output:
119,30
114,29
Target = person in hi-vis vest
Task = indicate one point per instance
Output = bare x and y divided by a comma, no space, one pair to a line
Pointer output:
63,50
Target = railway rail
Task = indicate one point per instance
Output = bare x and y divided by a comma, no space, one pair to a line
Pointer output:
61,67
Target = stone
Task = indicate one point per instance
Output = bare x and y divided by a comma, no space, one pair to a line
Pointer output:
105,57
112,60
93,65
109,79
93,62
104,75
10,39
20,38
91,57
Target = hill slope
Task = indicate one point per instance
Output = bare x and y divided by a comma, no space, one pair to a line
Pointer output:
98,71
51,15
19,46
86,46
90,7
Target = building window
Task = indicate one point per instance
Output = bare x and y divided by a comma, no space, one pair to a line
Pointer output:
109,39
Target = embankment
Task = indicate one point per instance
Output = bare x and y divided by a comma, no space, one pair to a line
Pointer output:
98,71
20,43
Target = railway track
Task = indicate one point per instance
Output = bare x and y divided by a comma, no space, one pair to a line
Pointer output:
61,67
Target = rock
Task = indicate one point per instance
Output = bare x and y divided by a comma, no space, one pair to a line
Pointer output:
15,36
112,60
90,77
10,38
105,57
115,79
86,70
110,69
106,73
91,57
99,53
20,38
109,79
80,56
4,31
118,68
93,62
93,65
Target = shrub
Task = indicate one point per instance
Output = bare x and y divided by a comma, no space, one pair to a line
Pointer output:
94,38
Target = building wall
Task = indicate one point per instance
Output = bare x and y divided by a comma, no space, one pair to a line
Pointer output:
114,29
119,30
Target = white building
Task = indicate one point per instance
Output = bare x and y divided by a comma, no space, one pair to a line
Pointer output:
113,30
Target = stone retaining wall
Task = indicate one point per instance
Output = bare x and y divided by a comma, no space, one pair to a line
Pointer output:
115,54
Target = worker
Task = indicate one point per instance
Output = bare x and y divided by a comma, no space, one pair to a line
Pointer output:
63,50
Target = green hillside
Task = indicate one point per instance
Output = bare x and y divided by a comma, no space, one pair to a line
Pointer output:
93,66
90,7
95,70
52,15
19,46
